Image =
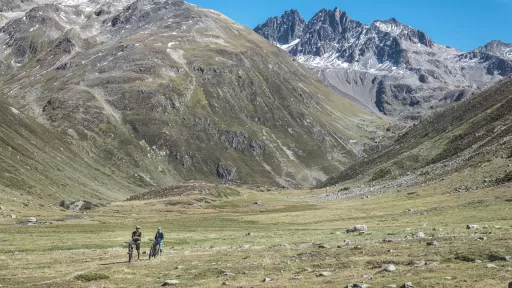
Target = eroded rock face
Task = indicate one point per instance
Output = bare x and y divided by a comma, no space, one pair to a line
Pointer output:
15,5
226,172
283,30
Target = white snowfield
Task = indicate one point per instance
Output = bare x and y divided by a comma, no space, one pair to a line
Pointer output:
287,47
390,27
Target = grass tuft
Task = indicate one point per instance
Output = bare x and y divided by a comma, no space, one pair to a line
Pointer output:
91,276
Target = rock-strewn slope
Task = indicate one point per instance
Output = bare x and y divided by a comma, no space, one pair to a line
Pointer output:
473,133
387,66
157,92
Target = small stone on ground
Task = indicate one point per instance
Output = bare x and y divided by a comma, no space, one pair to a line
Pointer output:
357,228
362,285
389,267
170,283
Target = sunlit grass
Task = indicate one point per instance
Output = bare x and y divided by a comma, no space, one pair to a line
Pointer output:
207,245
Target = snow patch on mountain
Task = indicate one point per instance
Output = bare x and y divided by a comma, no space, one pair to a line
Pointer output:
392,27
329,60
288,47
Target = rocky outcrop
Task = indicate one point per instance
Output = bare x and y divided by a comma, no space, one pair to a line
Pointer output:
226,172
284,29
15,5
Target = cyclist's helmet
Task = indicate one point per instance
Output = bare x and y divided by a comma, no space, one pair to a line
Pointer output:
159,228
137,227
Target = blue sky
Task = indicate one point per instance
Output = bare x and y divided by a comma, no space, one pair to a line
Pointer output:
464,24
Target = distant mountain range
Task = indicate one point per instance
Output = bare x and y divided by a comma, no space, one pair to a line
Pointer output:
386,66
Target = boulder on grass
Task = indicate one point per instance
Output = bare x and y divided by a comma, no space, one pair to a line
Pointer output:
357,228
170,283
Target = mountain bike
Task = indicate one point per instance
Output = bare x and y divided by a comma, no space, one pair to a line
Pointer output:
130,251
155,249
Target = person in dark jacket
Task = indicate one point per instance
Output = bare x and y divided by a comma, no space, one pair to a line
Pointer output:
136,239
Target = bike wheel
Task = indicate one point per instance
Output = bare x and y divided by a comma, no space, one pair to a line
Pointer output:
130,253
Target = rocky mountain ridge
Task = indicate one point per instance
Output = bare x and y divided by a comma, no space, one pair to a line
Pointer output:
387,66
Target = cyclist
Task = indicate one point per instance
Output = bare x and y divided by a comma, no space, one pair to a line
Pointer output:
136,238
159,238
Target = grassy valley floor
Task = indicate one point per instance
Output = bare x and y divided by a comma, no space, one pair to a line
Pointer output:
293,234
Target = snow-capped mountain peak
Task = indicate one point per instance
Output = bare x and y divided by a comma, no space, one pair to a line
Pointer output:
497,48
409,67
